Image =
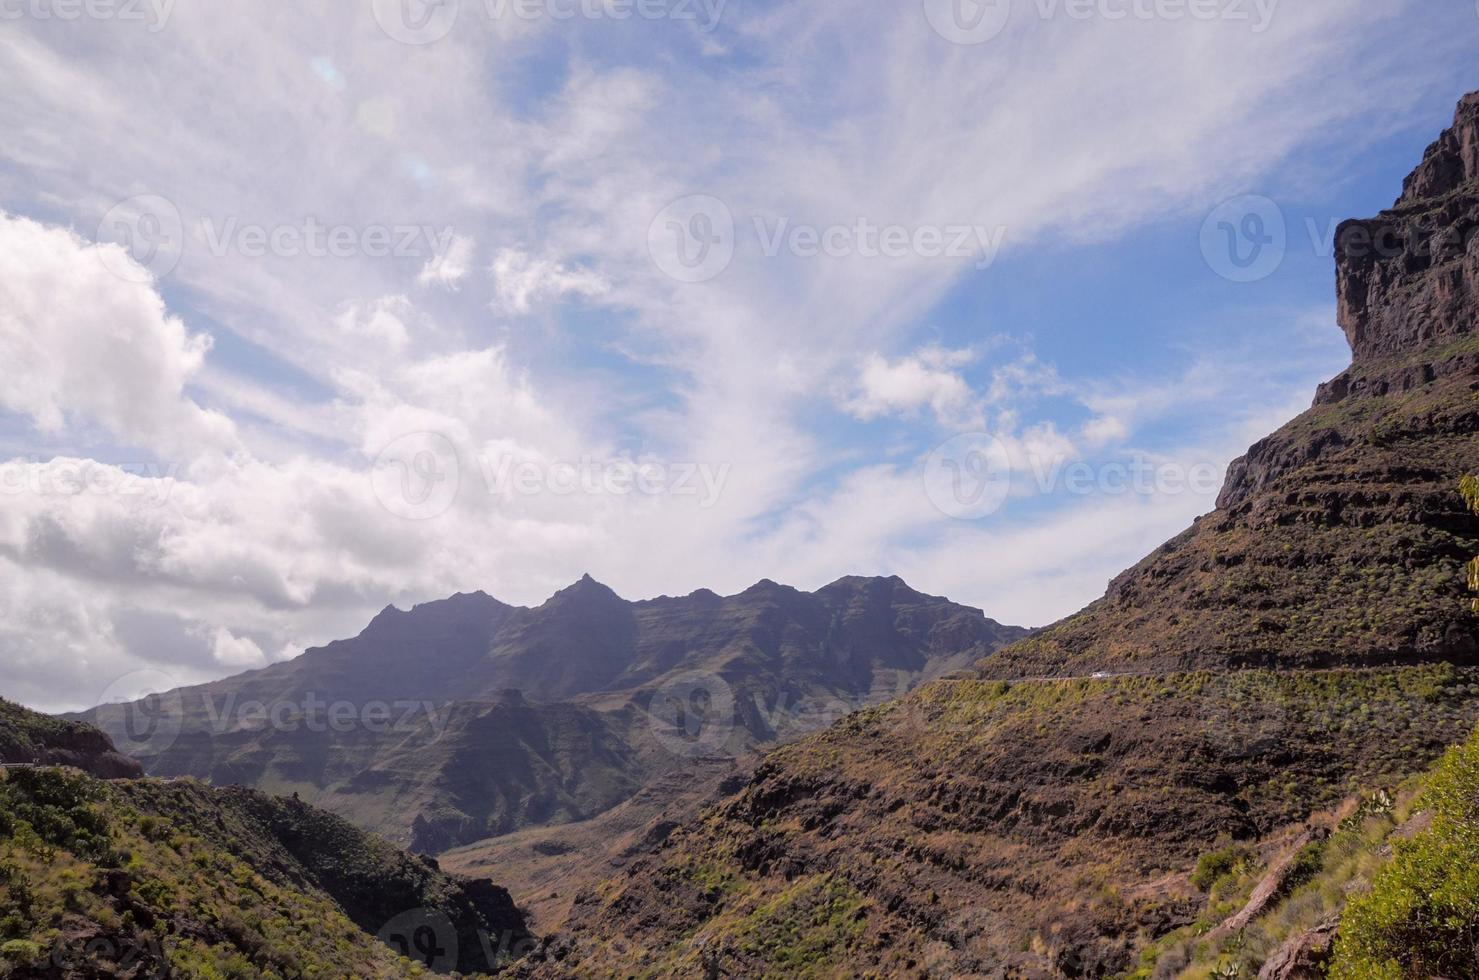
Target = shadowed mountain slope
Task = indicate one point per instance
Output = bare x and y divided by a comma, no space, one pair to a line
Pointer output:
468,718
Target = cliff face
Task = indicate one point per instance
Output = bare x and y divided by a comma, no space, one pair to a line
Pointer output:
1309,640
1408,279
1340,539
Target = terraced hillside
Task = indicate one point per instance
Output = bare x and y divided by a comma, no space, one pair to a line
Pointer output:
1310,641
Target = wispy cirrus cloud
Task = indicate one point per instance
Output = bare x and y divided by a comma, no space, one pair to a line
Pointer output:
529,162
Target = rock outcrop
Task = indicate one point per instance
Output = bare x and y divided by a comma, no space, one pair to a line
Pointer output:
1408,279
1340,539
1304,956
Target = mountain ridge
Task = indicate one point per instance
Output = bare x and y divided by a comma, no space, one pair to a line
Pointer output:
612,694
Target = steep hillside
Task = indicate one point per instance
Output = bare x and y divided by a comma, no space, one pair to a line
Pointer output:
552,864
136,878
467,718
27,738
1022,826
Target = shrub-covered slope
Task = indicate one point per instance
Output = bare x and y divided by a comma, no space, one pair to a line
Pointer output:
143,878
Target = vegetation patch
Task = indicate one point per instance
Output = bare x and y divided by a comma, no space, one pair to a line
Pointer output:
1421,915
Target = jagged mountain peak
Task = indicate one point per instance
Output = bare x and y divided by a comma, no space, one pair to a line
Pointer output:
1451,161
882,588
585,589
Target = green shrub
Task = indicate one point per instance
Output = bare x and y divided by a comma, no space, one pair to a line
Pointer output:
20,951
1421,917
1212,868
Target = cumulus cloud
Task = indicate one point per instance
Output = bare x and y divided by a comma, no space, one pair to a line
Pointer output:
236,651
382,322
83,345
927,379
1105,429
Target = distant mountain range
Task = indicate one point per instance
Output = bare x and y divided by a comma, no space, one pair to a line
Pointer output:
469,718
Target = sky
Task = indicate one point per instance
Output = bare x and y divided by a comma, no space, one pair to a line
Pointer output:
312,308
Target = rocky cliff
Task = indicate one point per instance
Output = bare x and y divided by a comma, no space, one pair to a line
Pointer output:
1339,539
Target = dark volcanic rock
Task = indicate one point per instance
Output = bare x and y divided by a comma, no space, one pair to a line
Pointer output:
1408,279
1451,161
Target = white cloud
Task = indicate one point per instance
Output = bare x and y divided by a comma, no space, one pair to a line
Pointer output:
522,281
382,322
926,379
81,345
450,266
1104,430
236,652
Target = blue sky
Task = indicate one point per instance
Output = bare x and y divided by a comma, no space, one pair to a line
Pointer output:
315,309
